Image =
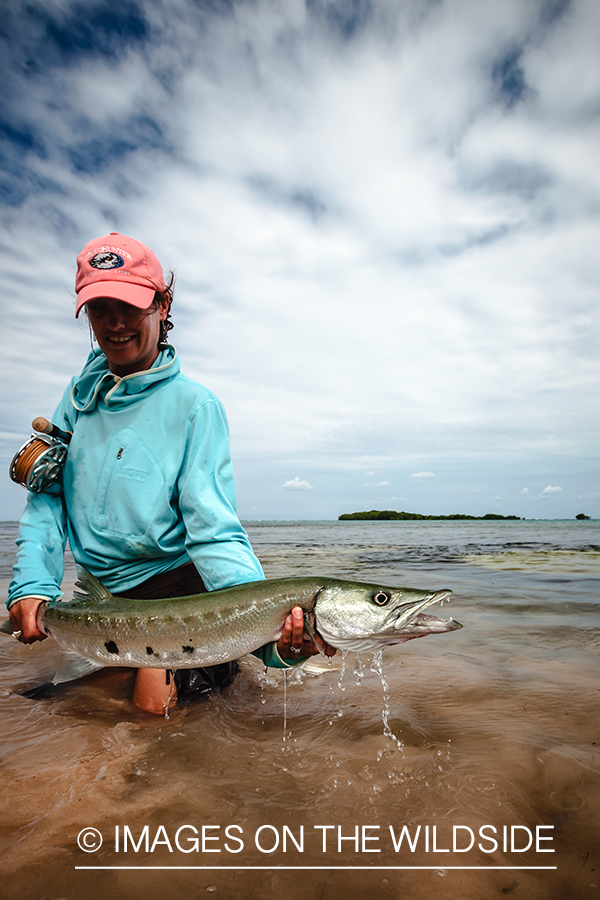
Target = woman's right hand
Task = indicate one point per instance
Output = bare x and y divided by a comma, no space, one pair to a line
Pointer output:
23,616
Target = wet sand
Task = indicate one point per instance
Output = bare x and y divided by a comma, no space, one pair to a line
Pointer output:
494,725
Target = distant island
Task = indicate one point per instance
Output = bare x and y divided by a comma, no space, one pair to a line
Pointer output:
391,515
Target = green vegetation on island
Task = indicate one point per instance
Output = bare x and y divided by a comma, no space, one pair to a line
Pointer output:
391,515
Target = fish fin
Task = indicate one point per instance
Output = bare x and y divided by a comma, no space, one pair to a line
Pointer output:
6,627
73,666
37,691
90,587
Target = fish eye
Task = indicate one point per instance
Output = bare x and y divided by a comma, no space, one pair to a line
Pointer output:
380,598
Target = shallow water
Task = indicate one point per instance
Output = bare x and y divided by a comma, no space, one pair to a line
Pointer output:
494,725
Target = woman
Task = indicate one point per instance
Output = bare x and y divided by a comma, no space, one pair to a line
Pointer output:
148,498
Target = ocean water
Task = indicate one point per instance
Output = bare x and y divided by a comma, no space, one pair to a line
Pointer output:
467,767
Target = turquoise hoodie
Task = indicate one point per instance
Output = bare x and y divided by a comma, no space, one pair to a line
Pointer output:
147,486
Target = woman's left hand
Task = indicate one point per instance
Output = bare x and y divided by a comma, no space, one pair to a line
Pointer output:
294,642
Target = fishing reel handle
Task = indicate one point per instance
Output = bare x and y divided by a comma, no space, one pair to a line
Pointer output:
43,426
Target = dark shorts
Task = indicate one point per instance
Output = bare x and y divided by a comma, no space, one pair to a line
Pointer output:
191,684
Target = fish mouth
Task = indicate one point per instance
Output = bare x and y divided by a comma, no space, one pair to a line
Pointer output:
410,620
406,613
424,624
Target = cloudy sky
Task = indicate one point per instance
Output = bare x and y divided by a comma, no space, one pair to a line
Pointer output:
384,216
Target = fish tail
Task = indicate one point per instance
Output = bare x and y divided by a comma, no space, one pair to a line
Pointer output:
89,587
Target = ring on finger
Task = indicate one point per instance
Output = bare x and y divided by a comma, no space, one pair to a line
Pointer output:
17,635
295,649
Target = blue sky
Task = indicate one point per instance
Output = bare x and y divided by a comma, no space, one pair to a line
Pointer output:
384,218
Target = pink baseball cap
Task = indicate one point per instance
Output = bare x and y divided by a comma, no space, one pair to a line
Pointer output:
120,267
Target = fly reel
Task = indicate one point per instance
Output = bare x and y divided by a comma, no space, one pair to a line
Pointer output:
38,464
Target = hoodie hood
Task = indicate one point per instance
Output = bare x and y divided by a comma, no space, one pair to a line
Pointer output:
97,381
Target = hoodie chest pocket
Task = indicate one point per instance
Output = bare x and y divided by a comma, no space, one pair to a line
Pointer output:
130,487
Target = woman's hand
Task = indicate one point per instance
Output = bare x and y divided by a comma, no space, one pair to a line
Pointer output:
23,616
295,643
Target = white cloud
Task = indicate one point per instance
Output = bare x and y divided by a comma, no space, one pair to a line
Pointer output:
296,485
525,491
551,490
376,484
385,247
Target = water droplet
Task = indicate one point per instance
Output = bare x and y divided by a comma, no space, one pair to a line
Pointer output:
377,668
343,670
359,668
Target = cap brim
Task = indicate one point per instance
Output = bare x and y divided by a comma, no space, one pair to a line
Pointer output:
134,294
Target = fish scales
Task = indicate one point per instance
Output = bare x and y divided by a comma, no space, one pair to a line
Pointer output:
219,626
182,632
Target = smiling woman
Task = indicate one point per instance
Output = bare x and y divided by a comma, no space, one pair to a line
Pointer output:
147,500
127,336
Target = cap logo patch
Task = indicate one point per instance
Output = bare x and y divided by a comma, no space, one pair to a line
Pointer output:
107,261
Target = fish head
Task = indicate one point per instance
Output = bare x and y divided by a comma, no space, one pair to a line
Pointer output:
366,617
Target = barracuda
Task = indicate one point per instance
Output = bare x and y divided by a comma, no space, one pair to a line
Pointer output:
216,627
